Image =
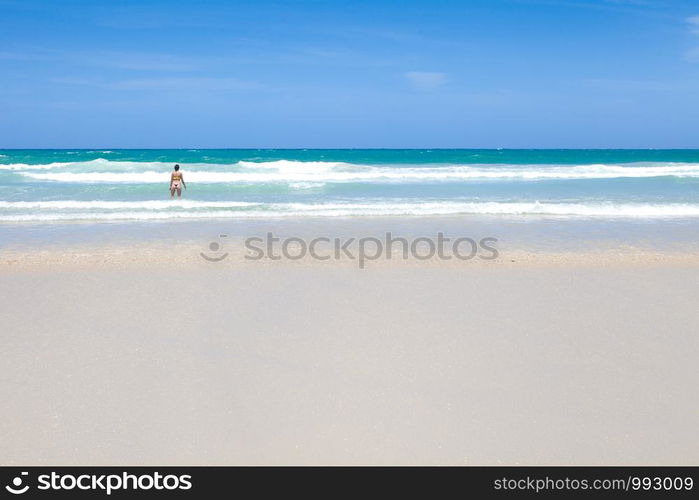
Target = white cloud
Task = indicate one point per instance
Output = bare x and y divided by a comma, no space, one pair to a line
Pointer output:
426,80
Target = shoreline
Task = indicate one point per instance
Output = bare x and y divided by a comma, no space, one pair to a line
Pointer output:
191,255
523,231
519,241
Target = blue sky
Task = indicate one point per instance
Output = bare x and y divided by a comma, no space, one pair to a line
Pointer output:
490,73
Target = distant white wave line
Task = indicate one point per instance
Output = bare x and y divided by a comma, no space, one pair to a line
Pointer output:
298,166
604,210
306,185
394,175
111,205
24,166
104,164
102,170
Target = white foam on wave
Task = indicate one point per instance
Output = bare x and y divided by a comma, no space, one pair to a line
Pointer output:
115,205
345,173
96,164
150,177
156,209
113,216
296,166
306,185
25,166
102,164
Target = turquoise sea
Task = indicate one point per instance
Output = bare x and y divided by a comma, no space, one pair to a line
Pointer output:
58,186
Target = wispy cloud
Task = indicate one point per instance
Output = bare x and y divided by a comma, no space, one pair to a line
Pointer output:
638,85
23,56
168,84
426,80
176,84
692,55
693,22
138,61
76,81
631,2
628,6
134,60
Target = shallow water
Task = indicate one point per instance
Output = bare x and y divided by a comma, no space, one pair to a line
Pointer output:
535,234
132,185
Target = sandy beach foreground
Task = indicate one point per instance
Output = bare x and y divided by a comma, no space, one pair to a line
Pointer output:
585,360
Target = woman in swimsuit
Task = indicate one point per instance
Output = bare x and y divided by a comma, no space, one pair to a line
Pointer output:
176,182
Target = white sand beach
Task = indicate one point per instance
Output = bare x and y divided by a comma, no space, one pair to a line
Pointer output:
111,358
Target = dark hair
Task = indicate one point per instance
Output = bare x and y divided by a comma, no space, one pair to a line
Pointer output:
177,167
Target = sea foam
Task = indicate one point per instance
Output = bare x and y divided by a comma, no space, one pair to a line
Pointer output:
151,210
379,174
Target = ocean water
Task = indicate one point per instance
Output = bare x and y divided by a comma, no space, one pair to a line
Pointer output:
60,186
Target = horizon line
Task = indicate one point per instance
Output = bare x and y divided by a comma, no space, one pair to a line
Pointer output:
96,148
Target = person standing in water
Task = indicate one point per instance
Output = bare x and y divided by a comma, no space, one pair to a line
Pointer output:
176,182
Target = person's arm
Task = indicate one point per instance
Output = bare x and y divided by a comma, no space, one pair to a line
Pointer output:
182,179
170,185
